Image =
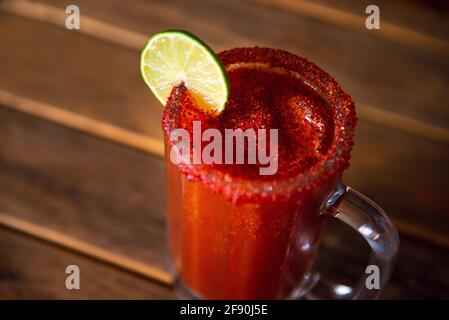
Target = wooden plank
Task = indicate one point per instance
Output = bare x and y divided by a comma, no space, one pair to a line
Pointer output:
151,146
381,159
113,198
377,73
416,276
79,73
84,247
420,270
351,14
88,168
107,14
421,25
97,191
427,17
31,269
407,176
82,123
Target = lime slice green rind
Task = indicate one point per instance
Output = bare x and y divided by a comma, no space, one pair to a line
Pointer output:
175,56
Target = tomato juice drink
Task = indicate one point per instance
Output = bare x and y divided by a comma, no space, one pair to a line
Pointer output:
237,234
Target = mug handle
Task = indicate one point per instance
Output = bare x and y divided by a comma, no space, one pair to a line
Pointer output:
370,221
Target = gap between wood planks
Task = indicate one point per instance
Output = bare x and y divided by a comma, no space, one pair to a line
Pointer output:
388,31
81,247
134,40
153,146
103,255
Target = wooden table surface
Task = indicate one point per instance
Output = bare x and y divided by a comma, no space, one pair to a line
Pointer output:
81,170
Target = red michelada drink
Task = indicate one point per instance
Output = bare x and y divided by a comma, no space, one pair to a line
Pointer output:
230,227
235,230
